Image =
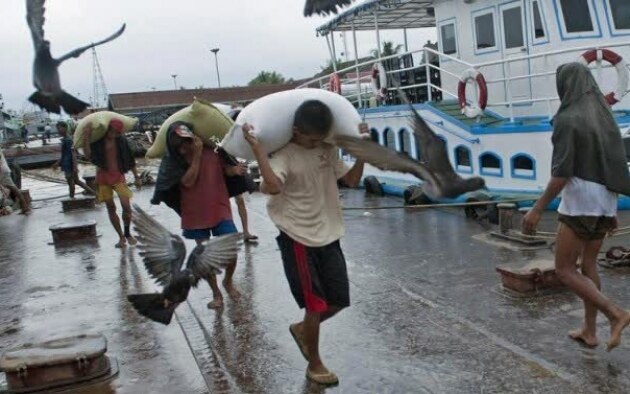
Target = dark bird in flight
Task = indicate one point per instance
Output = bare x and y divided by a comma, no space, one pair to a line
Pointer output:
434,168
324,7
49,95
164,253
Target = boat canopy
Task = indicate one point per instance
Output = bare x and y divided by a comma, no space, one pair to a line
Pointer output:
383,15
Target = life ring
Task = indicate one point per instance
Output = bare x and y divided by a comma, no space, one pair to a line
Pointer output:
379,81
475,110
623,75
334,83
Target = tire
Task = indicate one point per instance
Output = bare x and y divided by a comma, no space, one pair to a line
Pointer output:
489,211
421,200
373,186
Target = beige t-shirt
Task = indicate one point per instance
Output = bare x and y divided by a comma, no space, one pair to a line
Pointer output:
308,209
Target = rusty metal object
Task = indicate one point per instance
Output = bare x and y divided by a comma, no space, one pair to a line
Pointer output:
529,279
66,233
64,362
75,204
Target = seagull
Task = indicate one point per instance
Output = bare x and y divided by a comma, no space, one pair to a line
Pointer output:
440,179
324,7
49,95
164,253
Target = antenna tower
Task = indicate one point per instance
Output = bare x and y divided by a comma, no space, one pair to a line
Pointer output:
100,96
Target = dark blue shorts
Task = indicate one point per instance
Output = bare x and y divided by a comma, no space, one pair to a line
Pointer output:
224,227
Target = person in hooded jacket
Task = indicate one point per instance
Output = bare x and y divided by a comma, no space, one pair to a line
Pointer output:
191,181
589,169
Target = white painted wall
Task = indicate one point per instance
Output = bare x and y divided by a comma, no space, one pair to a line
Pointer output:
543,86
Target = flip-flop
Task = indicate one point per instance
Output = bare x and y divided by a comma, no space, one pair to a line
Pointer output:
328,378
300,345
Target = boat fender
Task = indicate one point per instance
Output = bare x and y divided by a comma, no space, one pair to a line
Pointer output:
334,83
472,111
623,75
379,81
373,186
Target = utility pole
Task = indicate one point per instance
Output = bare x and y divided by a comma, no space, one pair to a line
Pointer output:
216,62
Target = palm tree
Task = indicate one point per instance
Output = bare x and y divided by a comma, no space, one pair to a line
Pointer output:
267,78
388,49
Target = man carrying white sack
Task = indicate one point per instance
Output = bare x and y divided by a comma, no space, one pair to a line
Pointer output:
304,204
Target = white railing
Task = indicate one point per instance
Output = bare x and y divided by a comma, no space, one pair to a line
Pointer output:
449,77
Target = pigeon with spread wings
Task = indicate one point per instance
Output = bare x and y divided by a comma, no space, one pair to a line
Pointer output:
49,95
435,169
164,253
324,7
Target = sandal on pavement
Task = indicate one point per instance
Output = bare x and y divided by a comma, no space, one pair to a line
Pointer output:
327,378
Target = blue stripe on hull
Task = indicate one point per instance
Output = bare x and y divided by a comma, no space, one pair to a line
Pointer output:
623,203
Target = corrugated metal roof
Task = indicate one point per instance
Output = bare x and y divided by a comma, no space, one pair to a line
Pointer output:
174,98
392,14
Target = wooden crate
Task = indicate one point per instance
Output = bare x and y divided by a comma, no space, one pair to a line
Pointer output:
75,204
83,231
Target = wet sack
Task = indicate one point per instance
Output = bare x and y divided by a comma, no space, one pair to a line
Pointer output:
207,119
272,118
100,122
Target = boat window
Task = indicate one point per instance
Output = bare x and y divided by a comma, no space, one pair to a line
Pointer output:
539,26
513,28
490,164
620,12
577,16
484,31
463,162
374,135
404,141
448,39
523,166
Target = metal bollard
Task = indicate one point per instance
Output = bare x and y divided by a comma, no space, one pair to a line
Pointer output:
506,214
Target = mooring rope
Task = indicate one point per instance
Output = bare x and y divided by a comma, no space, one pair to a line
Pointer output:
442,205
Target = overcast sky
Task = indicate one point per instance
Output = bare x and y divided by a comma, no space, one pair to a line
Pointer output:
165,37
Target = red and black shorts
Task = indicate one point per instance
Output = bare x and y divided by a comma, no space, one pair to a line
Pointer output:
317,275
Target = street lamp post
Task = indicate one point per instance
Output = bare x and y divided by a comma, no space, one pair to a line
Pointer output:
174,76
216,62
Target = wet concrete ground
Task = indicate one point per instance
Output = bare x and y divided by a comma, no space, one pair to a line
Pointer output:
427,315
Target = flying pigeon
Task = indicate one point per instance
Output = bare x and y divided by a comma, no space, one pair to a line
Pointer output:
440,180
324,7
164,253
49,94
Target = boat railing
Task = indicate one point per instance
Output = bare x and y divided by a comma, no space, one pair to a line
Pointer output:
357,89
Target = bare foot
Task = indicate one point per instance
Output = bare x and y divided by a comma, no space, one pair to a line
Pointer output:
217,303
581,336
121,244
231,289
132,240
616,327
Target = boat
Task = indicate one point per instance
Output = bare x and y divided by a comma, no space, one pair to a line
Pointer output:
488,90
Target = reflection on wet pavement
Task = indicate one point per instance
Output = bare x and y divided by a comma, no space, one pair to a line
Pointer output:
427,313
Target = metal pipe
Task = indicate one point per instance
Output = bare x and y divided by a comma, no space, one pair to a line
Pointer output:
356,64
334,51
378,34
405,34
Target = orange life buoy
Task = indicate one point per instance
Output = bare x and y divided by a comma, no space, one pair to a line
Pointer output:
334,83
475,76
623,75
